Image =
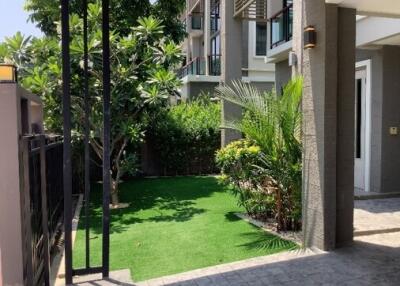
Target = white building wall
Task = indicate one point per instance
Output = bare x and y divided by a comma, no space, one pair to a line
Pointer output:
258,69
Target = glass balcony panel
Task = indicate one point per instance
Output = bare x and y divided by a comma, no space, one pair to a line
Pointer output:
282,26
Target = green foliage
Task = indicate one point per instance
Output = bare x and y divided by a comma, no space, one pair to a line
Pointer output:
274,124
238,162
186,137
141,79
123,15
238,158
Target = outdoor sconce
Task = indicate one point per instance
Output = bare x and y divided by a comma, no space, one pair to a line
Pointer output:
8,73
310,37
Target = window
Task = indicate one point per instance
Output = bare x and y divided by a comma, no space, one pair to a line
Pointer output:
215,57
216,45
215,17
261,39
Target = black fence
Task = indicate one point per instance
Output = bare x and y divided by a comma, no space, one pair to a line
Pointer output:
214,62
197,66
42,204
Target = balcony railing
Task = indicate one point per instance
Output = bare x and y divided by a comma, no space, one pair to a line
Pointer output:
197,66
214,63
282,26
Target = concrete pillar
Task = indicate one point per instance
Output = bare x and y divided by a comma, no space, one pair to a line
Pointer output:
20,113
231,61
328,122
10,204
345,125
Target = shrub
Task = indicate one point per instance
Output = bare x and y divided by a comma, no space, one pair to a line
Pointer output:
274,124
238,159
186,136
238,162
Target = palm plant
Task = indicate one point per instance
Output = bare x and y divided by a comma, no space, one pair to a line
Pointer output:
274,123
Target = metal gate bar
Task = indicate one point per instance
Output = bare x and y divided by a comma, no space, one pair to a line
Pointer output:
86,131
104,269
45,217
106,138
67,169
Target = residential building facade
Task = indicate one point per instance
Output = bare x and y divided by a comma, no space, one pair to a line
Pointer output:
350,120
201,72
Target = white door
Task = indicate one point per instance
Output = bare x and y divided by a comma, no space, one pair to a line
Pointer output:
360,120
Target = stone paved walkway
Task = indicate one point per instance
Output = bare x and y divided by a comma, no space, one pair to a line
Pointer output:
376,216
373,259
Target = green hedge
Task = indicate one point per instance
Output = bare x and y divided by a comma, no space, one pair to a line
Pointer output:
185,137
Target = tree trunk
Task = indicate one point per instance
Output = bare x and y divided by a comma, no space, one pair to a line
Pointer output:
114,192
115,183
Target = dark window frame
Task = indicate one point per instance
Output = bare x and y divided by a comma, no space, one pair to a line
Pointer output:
261,51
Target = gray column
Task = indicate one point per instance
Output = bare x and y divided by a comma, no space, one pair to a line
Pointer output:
231,61
328,123
345,125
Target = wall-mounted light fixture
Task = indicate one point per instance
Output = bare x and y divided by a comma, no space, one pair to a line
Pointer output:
310,37
8,73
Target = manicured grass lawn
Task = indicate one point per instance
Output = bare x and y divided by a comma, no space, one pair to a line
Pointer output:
174,225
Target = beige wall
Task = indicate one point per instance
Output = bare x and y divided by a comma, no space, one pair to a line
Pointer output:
11,258
10,214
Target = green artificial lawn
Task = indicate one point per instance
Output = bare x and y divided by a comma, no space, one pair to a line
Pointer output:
174,225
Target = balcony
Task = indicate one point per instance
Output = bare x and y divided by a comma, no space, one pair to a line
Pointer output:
197,66
252,10
281,26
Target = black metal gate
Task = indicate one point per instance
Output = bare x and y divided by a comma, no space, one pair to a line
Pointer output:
67,185
42,205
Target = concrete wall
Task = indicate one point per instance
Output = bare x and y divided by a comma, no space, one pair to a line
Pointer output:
10,210
262,86
346,37
257,67
245,47
328,122
231,61
283,74
385,148
372,29
376,114
11,176
194,89
390,117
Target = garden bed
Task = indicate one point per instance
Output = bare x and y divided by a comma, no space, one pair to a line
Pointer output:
270,226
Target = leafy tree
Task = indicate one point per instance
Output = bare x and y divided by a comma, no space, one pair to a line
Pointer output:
123,14
142,79
170,11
